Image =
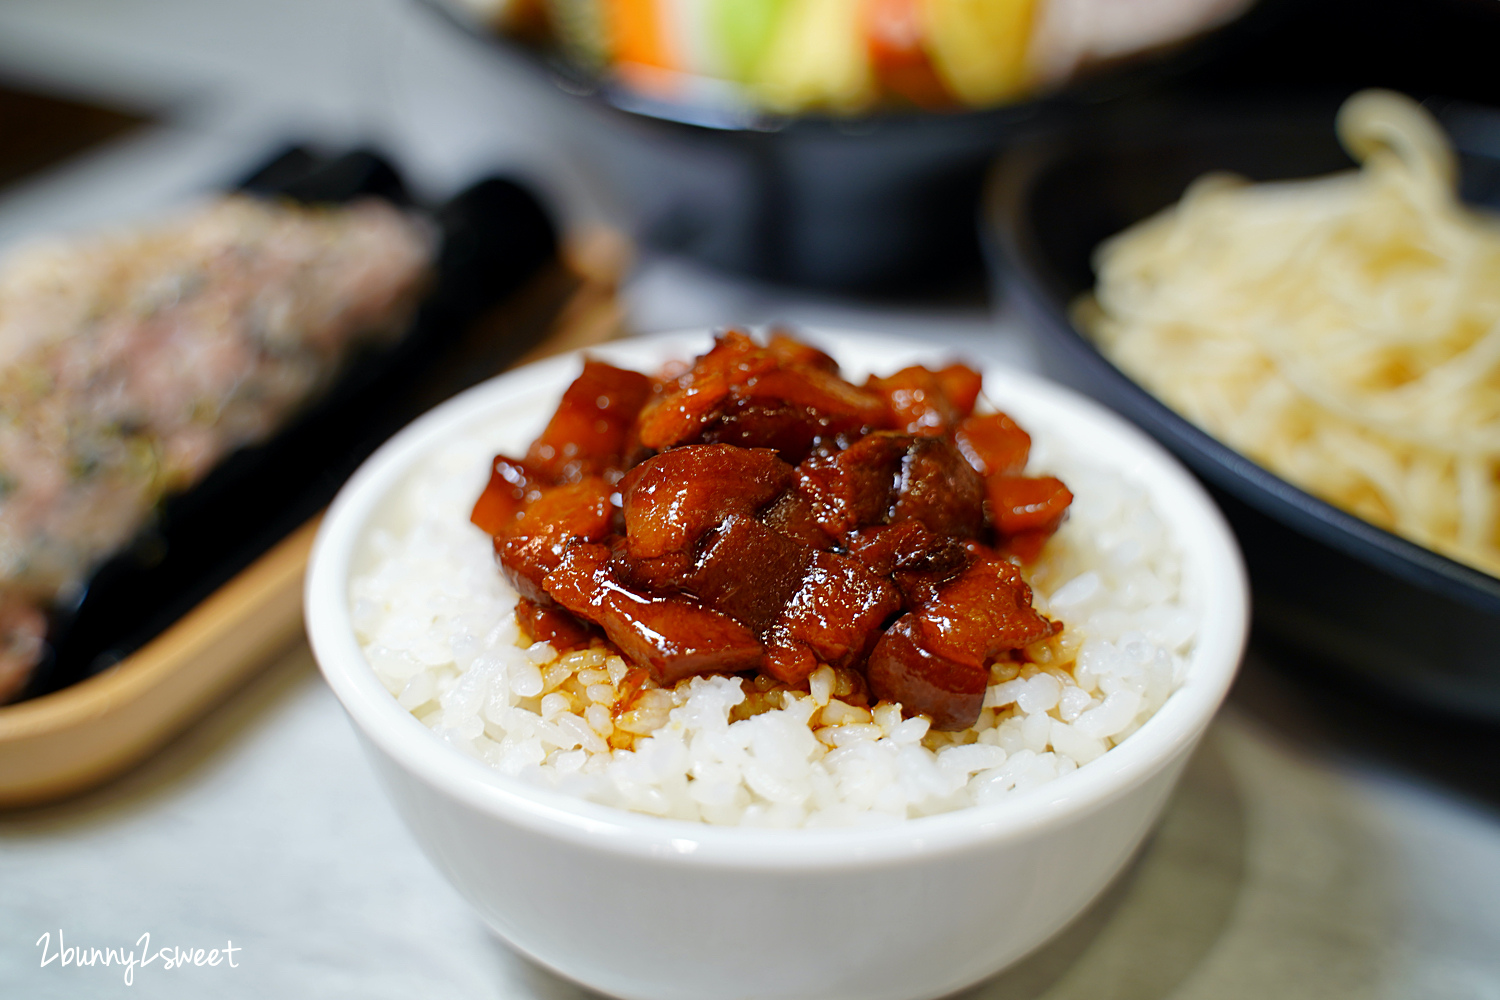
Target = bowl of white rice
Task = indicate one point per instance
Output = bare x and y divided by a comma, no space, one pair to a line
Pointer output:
668,843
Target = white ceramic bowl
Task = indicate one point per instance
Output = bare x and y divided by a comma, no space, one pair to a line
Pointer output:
641,907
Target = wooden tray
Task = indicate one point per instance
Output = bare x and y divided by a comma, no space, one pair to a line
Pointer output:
76,738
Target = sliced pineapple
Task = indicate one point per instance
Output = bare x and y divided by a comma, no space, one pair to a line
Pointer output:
818,59
979,46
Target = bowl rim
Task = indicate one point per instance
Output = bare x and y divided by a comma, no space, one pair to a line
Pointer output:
1206,542
1031,279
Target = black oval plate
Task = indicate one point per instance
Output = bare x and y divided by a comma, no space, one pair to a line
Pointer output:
494,237
1327,584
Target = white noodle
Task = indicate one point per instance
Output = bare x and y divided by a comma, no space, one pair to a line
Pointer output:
1344,331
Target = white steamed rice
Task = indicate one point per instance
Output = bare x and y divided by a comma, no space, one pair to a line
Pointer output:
437,624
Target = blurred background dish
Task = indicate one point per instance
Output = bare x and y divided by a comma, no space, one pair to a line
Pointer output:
1325,582
494,237
149,637
814,180
734,62
877,195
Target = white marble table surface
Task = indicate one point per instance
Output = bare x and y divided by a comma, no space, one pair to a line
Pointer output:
1322,845
1295,861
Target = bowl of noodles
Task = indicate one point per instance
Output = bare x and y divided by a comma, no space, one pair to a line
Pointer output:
1300,305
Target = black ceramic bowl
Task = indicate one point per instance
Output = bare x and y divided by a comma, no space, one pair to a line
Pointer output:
1336,589
880,204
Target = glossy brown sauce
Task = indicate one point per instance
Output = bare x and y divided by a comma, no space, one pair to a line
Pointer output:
757,514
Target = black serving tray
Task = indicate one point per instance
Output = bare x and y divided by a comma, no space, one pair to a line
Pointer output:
1328,586
495,238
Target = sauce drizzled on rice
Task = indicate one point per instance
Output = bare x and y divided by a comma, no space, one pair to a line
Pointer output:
437,624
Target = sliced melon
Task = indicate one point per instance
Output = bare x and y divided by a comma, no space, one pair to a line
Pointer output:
743,30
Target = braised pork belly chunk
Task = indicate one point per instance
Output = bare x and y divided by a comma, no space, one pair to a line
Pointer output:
755,513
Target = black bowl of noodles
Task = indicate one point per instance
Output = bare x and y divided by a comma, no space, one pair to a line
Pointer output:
1330,588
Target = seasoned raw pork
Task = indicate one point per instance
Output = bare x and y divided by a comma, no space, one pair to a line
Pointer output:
130,364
